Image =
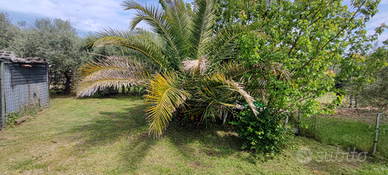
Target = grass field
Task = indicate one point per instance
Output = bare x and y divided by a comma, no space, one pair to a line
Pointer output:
350,127
348,134
109,136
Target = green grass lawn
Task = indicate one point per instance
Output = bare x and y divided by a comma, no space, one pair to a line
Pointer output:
348,134
110,136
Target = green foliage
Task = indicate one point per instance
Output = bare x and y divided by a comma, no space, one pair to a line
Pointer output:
53,39
376,93
318,42
187,54
8,32
236,12
24,111
12,118
264,132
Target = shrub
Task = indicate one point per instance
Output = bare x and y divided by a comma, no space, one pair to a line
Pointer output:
264,133
12,118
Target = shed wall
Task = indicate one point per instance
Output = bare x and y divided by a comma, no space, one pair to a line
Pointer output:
20,95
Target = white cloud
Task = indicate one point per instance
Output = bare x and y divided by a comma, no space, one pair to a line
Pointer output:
94,15
85,15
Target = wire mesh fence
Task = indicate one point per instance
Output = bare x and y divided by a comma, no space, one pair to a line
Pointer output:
358,132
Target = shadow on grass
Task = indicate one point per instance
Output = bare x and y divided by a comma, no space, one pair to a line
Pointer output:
131,130
113,127
216,141
54,96
116,97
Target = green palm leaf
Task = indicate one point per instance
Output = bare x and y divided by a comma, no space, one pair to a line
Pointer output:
140,40
202,32
180,25
179,41
163,98
156,18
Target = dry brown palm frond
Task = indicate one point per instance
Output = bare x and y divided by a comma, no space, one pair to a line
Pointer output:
217,89
196,66
249,99
112,72
241,74
234,70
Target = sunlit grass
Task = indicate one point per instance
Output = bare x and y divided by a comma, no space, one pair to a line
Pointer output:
110,136
347,134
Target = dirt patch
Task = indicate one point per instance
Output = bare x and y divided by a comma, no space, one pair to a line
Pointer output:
367,115
200,166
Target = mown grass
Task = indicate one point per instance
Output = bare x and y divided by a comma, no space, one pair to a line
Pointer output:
109,136
348,134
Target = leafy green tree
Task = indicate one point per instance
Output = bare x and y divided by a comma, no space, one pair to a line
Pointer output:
188,55
8,32
307,38
56,40
376,93
237,12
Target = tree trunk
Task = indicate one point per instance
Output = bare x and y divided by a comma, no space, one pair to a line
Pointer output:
68,82
351,100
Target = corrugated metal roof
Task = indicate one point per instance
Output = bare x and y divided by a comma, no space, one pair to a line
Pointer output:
9,55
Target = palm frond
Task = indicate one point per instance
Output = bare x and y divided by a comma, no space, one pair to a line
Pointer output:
140,40
233,70
217,89
112,72
202,32
163,98
181,23
156,19
222,43
238,72
175,34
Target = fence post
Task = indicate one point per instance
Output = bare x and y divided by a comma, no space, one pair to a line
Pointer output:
2,94
299,118
286,122
377,132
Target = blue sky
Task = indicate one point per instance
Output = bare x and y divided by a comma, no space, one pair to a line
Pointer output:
93,15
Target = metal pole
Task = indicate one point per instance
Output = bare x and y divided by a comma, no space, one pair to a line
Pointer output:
377,133
3,119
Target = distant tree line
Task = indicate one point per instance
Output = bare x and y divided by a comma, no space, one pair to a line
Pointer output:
53,39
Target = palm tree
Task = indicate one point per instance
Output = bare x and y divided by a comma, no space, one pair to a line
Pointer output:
192,73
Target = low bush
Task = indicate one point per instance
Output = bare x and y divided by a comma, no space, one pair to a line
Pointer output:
12,118
262,133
